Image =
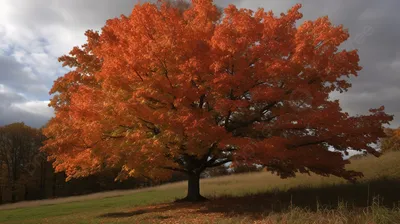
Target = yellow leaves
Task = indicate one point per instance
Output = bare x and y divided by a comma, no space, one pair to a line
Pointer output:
130,171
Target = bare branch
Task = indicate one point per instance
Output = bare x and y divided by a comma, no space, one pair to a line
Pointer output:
174,169
222,162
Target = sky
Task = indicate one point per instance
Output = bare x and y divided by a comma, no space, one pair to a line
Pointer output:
34,33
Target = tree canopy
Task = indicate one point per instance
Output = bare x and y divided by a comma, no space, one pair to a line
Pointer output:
165,90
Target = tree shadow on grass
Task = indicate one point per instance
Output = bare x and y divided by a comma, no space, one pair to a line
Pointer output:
135,213
124,214
357,195
152,209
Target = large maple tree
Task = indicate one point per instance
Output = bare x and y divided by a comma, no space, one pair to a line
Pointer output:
166,89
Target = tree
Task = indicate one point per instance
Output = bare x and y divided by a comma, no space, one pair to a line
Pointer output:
19,146
3,179
391,142
160,91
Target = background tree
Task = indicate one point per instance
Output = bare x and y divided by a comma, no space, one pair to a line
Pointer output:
3,178
391,142
160,91
19,146
247,168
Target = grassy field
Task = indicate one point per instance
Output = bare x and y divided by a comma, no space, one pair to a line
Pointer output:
246,198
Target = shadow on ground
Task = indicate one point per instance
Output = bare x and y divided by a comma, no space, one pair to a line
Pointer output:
354,195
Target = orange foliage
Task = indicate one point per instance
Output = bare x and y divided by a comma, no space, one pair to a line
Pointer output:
164,90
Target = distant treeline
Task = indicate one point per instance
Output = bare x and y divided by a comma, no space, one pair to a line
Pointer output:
25,173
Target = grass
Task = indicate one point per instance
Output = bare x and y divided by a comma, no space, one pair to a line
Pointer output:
245,198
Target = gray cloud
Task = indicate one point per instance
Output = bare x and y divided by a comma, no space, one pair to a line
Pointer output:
16,114
372,30
7,98
15,107
22,79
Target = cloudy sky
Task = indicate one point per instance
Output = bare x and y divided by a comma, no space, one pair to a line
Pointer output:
34,33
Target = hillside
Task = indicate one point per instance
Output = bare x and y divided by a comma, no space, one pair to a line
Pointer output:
251,197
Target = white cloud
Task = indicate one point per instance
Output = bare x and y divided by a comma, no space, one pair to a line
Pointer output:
34,107
15,107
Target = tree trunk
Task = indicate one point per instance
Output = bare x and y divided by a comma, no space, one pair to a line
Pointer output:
26,192
193,191
42,180
54,185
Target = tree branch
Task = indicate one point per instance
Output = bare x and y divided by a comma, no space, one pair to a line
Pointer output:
219,163
174,169
138,74
307,144
201,100
227,118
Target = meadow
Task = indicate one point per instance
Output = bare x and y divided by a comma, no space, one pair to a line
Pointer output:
259,197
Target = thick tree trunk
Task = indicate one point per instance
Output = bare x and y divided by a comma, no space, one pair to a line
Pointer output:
193,190
193,187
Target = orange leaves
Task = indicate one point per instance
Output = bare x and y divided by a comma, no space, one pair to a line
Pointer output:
237,30
224,106
201,18
266,94
261,151
317,45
